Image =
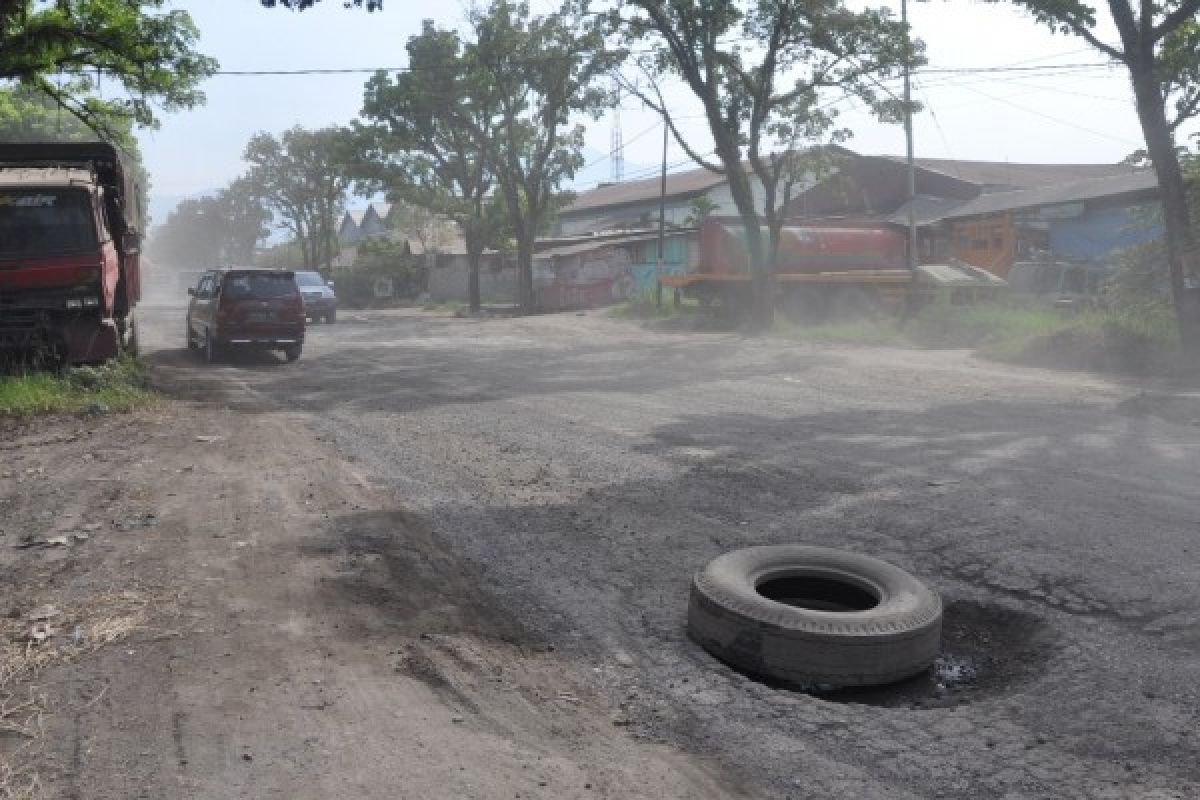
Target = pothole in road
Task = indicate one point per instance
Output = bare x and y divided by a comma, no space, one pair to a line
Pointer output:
986,651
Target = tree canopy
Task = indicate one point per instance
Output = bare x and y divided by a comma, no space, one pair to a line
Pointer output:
304,176
766,104
301,5
223,229
437,154
546,71
104,60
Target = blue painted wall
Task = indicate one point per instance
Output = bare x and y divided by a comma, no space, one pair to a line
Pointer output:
1100,231
645,269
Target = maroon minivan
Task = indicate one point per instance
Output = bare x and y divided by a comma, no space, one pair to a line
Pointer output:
246,308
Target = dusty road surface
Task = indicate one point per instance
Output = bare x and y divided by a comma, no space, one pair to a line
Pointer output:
450,558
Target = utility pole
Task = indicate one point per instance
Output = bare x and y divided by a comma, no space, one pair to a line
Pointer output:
663,203
908,140
662,220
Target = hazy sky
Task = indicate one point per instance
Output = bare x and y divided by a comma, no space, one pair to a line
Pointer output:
1072,115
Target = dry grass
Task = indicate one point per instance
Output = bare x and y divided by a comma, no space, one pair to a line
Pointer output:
70,634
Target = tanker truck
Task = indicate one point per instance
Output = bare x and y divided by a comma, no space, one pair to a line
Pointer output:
824,271
69,249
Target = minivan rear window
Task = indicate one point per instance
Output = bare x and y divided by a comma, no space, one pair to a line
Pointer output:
248,285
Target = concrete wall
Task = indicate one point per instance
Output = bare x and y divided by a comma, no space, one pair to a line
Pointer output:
448,280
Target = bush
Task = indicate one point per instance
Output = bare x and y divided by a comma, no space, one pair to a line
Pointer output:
118,386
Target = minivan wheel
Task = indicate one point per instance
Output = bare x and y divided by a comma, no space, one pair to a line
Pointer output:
815,617
210,348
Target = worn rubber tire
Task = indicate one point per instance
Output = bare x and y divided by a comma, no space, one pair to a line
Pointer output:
899,637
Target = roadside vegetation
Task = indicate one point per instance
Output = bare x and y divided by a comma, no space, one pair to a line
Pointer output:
645,307
1123,341
117,387
1136,341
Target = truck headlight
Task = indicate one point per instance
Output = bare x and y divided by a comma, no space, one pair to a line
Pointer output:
74,302
91,302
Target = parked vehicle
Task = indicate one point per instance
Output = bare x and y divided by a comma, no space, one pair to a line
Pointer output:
825,271
246,308
320,302
1059,283
70,234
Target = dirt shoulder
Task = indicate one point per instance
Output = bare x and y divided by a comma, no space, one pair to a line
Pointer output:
209,604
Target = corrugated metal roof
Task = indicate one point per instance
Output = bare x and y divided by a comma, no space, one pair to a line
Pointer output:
689,182
1017,176
1140,182
928,210
587,244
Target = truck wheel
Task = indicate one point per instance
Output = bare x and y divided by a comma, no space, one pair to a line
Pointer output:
191,341
132,343
815,617
331,318
292,352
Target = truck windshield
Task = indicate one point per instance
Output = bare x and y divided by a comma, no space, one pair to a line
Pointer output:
36,222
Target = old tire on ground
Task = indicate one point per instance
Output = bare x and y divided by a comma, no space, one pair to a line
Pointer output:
815,617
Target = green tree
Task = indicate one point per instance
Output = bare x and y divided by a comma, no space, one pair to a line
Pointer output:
433,154
223,229
300,5
764,104
303,176
700,208
139,55
1159,45
545,72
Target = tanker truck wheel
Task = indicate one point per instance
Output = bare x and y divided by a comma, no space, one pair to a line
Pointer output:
129,336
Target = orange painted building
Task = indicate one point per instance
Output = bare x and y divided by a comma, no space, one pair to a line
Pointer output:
996,241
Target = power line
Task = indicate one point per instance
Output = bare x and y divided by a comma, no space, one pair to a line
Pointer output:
1015,68
1036,113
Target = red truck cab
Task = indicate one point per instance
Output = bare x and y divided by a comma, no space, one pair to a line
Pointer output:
69,252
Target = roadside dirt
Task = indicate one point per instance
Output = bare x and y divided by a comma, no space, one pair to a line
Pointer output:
236,613
450,558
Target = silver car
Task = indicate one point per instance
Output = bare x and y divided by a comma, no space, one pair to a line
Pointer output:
320,303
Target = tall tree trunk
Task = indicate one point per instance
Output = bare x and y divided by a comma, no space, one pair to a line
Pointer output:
1180,238
525,272
474,256
762,285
